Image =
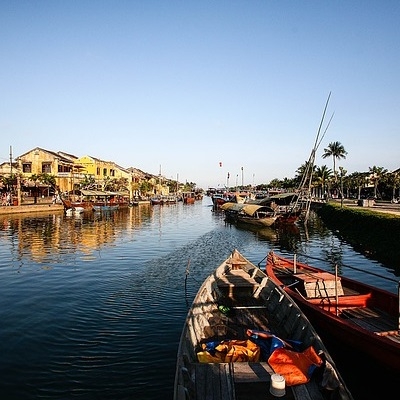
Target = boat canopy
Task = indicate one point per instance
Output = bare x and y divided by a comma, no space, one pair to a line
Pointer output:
229,206
103,193
250,209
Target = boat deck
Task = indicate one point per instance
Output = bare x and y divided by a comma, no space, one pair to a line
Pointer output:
368,318
374,321
243,381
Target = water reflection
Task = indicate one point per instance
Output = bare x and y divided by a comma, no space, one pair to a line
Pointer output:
43,238
92,306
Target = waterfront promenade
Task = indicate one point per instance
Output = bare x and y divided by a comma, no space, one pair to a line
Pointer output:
29,206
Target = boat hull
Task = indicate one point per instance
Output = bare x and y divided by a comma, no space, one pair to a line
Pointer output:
218,354
363,318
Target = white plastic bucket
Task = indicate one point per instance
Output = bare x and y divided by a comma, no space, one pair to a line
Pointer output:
277,386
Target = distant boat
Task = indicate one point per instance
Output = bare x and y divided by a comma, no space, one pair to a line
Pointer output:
74,211
244,334
252,214
99,200
70,205
188,197
104,206
156,200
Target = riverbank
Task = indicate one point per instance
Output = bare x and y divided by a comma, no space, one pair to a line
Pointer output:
31,208
373,231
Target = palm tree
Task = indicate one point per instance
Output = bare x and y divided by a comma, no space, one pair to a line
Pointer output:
336,151
393,181
322,175
358,180
377,174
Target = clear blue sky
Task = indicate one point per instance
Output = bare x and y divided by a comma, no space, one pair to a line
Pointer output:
185,85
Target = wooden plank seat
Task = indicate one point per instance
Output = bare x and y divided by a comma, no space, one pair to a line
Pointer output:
237,282
369,319
320,284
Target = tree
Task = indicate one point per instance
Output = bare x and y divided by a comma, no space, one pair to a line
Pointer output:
322,176
393,181
377,174
357,180
336,151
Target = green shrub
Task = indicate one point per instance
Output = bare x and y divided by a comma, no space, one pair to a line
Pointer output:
369,231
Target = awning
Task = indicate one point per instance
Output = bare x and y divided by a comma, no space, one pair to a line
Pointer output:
250,209
102,193
229,206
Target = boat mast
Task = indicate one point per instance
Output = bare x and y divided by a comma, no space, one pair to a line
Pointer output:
306,182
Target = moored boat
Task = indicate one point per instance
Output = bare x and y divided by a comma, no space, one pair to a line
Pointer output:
251,214
156,200
104,206
244,337
70,204
188,197
74,211
363,317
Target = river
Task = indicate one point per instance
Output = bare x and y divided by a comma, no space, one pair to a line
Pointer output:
92,306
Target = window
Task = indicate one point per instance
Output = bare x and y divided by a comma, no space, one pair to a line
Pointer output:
46,168
27,168
64,168
104,171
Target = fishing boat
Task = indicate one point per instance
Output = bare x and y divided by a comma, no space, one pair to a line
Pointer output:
156,200
363,317
252,214
77,205
188,197
245,338
105,206
74,211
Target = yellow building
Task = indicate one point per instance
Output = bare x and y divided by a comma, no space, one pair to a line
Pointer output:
41,161
101,171
73,173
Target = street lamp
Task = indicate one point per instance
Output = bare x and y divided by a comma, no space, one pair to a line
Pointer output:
242,179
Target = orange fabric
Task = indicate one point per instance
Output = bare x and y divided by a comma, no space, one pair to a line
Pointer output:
294,366
231,351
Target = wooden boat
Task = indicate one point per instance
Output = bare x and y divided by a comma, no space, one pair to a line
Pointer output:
156,200
140,202
286,205
219,199
105,206
358,315
290,216
252,214
70,204
243,334
188,197
102,200
74,211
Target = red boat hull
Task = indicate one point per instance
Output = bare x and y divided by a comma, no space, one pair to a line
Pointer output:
333,317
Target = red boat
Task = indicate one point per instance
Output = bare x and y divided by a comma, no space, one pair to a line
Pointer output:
188,197
356,314
69,204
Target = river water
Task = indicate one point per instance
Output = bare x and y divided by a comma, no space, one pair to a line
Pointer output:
92,306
